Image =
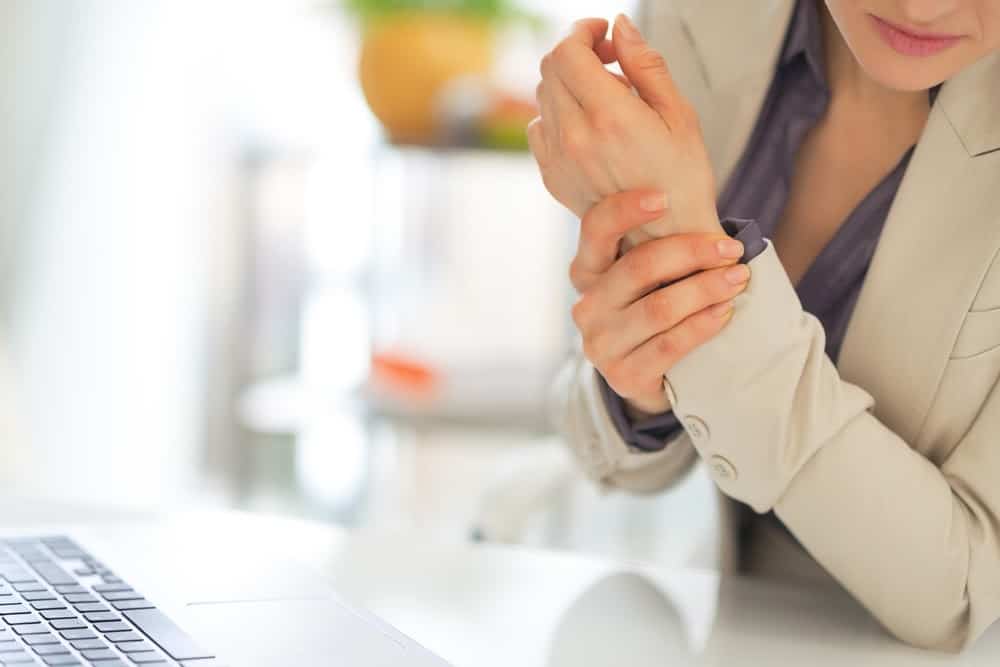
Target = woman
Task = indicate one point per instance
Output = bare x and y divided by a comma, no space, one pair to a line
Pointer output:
840,378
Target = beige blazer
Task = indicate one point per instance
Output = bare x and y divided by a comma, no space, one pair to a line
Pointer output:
886,467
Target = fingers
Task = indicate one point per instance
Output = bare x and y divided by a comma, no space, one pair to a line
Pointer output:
654,263
606,52
604,226
576,61
536,142
641,372
667,307
645,68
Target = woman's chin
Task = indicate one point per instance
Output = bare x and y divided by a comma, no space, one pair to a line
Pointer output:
897,72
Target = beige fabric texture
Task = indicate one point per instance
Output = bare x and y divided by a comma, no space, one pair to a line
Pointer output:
886,467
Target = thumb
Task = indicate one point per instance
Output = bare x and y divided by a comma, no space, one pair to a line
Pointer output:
645,68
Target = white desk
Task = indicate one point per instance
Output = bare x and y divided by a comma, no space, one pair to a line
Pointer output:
481,606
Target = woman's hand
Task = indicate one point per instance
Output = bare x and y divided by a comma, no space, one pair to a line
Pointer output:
634,330
595,137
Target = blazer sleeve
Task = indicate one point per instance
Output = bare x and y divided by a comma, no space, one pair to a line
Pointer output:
582,418
767,410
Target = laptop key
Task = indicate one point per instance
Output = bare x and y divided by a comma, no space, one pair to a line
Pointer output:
102,617
132,604
16,575
166,634
96,655
52,573
124,636
9,646
17,608
112,588
78,634
116,626
70,588
135,647
21,619
121,595
55,614
22,657
30,629
60,660
48,638
89,607
88,644
146,658
68,624
51,649
30,587
48,604
74,598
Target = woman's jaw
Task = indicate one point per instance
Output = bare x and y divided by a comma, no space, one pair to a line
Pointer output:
911,45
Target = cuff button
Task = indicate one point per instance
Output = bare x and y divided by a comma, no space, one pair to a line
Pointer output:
696,428
722,469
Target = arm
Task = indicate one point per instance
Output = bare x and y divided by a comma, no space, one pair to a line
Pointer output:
916,544
597,446
636,314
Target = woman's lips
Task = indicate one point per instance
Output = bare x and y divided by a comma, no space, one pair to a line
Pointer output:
910,44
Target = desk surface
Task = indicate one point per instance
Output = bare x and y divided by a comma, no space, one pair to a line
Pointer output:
485,606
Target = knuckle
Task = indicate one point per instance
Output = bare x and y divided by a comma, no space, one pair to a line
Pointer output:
574,141
593,348
579,310
710,290
636,265
562,53
605,122
658,308
577,277
688,117
548,63
666,346
651,60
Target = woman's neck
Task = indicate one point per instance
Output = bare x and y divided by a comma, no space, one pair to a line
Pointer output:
855,93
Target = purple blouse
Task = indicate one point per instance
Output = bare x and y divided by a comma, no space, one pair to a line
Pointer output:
755,197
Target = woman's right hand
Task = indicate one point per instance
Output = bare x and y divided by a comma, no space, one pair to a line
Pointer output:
634,330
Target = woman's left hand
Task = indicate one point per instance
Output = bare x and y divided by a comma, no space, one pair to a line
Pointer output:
595,137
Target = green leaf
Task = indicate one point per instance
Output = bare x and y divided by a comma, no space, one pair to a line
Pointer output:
497,10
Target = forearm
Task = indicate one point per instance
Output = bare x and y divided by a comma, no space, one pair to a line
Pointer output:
781,430
594,441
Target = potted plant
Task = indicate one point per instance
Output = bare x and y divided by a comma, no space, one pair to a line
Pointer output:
411,49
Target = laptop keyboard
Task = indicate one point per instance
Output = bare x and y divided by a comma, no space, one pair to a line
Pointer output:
61,606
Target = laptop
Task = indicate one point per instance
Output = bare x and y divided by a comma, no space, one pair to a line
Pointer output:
135,596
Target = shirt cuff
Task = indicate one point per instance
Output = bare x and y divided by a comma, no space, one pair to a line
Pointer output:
647,435
653,433
747,231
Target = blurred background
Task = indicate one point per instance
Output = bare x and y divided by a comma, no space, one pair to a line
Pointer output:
292,256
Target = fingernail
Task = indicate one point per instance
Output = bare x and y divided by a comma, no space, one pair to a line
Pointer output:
654,203
721,310
730,249
738,274
628,28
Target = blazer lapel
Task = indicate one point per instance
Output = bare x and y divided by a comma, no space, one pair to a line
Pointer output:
738,45
941,236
